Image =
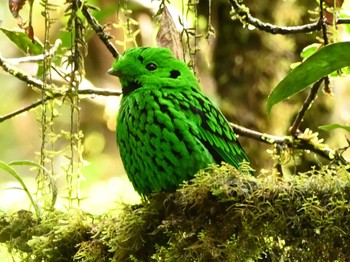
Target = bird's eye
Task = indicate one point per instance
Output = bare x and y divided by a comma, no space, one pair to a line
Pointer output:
151,66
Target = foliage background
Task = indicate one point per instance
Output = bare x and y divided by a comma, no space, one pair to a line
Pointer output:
20,137
238,67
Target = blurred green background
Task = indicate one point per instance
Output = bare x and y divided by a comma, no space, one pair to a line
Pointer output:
105,181
237,67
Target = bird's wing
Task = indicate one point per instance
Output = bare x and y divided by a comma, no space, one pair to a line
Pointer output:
216,134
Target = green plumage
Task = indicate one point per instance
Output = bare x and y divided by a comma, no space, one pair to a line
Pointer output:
167,129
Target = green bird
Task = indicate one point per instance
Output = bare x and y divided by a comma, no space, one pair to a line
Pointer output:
167,128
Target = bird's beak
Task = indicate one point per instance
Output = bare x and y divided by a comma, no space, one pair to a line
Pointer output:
113,72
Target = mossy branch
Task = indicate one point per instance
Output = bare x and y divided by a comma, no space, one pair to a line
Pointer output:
220,215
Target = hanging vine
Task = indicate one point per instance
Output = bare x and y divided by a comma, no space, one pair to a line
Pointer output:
46,115
75,64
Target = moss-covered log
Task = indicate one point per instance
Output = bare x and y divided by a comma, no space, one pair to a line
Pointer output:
221,215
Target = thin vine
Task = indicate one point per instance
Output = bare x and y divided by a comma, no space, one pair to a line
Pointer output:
75,61
47,116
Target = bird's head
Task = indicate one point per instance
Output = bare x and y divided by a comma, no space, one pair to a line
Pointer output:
147,66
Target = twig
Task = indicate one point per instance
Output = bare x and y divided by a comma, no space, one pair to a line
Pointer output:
27,108
19,74
99,92
314,89
26,59
99,30
292,142
87,91
304,144
30,80
343,21
310,98
323,25
245,16
54,91
262,137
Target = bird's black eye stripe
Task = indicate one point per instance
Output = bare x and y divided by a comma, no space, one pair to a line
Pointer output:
151,66
174,73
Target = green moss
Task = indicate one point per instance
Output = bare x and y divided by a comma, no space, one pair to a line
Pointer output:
221,215
55,237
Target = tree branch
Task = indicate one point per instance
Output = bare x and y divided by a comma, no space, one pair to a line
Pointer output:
262,137
301,141
323,25
20,111
316,86
19,74
343,21
36,58
245,17
307,103
54,92
87,91
99,92
99,30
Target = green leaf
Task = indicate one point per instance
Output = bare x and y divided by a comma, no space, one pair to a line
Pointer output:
294,65
22,41
323,62
309,50
13,172
334,126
